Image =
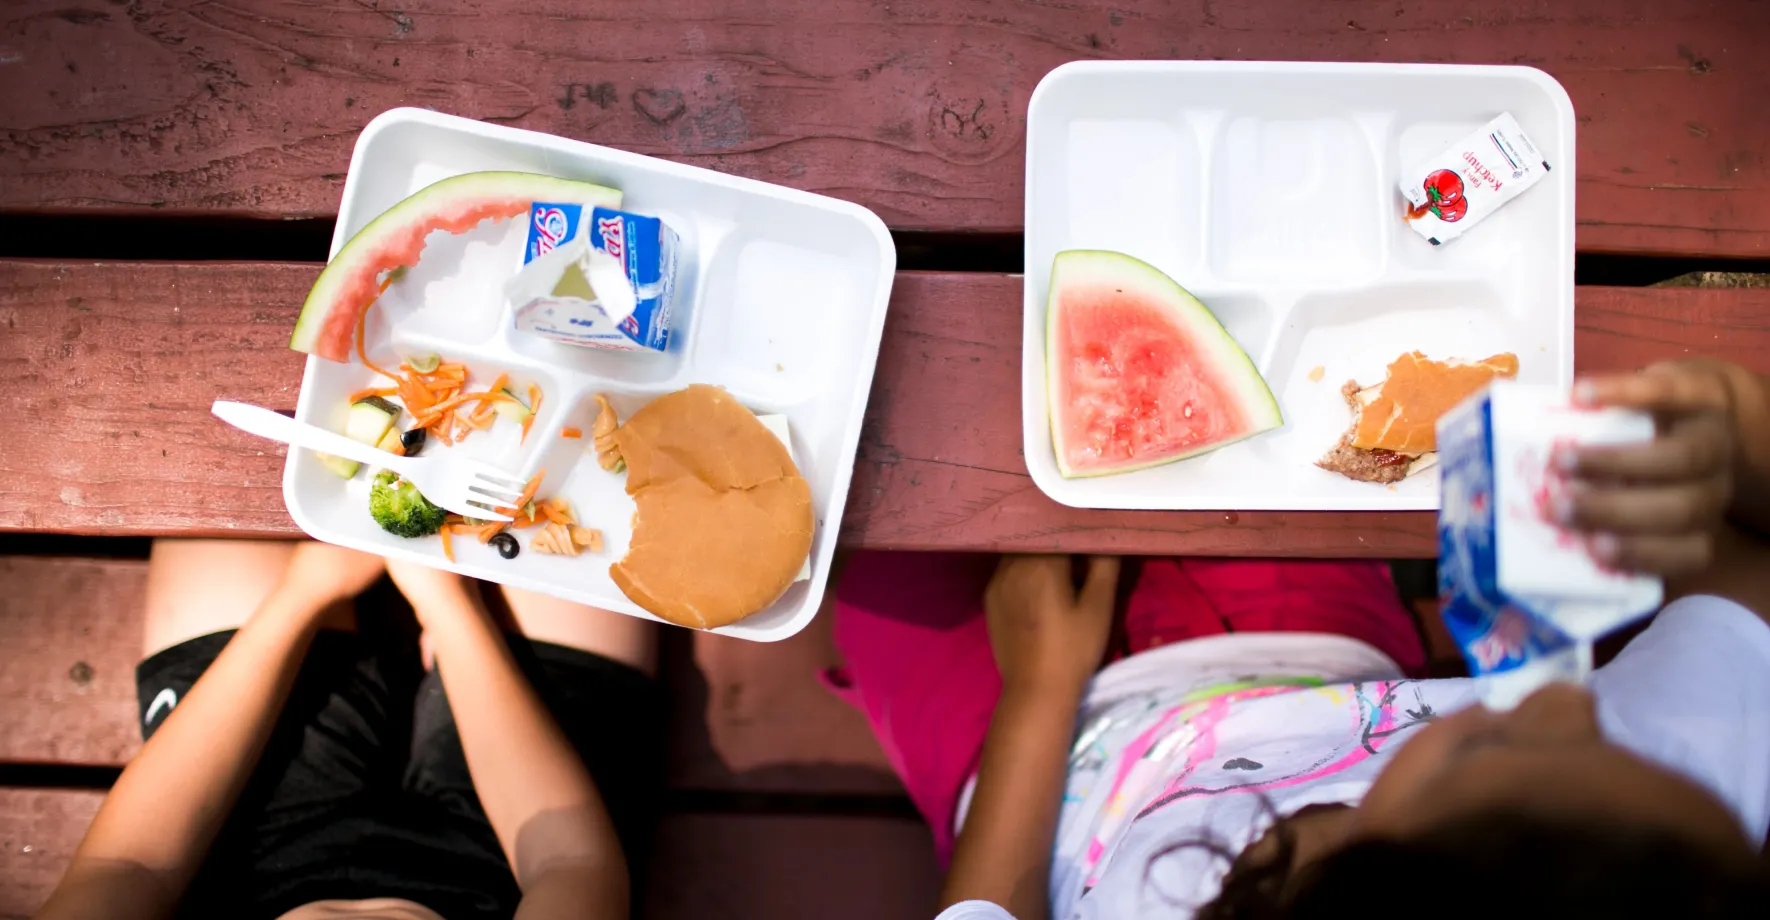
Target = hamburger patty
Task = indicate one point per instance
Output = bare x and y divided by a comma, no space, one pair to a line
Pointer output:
1356,462
1365,465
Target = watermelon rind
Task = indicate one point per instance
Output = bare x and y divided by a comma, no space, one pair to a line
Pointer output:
458,203
1230,361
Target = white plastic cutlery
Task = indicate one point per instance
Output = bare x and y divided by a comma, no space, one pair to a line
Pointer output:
466,487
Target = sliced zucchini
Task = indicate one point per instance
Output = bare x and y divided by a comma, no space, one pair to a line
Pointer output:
517,411
369,419
368,422
424,364
390,441
344,468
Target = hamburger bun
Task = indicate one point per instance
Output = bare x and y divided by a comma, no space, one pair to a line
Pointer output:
723,519
1401,413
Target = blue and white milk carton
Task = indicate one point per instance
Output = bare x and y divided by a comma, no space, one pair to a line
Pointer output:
596,277
1521,595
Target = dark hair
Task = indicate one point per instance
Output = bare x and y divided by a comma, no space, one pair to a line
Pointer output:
1501,863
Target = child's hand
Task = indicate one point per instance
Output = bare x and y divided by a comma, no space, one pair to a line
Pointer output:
433,593
1655,507
325,574
1042,630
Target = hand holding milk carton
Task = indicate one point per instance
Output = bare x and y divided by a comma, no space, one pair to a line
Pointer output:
1522,595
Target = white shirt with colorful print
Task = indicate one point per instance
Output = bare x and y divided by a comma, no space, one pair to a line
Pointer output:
1207,741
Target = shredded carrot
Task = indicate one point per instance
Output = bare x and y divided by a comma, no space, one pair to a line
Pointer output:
362,319
399,450
463,398
529,516
570,432
489,531
533,485
526,514
442,407
373,391
534,410
434,398
361,322
448,549
415,396
554,515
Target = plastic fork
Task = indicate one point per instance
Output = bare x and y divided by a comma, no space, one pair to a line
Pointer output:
467,487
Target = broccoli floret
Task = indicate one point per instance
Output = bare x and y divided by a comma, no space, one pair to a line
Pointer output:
401,509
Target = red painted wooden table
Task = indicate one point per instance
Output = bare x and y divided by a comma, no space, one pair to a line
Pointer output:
141,140
916,109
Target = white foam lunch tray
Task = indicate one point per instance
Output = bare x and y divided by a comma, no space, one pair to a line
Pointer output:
781,300
1268,190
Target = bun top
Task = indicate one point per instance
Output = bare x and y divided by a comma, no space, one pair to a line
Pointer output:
1401,413
723,521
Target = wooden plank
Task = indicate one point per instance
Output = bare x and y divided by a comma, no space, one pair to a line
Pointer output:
730,866
750,867
39,829
112,372
751,716
70,634
108,370
915,108
744,716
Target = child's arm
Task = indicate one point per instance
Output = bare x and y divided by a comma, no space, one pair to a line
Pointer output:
156,826
1655,507
542,804
1048,639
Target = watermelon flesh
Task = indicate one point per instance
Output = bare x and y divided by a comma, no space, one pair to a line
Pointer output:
352,280
1139,372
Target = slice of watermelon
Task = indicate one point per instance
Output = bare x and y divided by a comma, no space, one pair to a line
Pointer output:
352,280
1139,372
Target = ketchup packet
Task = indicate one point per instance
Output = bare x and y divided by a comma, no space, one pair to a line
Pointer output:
1457,189
1521,596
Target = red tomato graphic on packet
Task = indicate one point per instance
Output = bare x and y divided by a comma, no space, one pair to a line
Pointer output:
1452,212
1444,187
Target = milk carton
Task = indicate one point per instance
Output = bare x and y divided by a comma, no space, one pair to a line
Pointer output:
1521,595
596,277
1458,188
